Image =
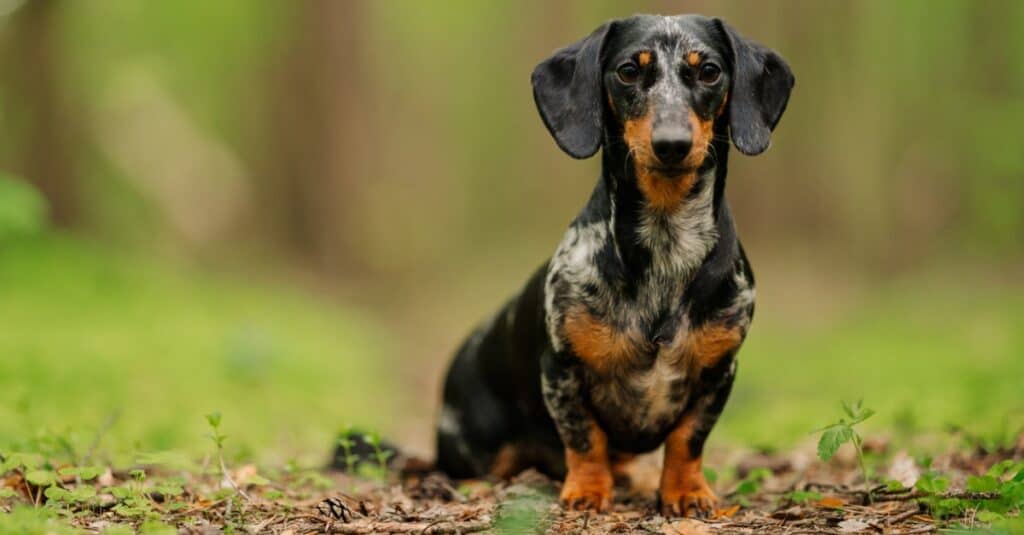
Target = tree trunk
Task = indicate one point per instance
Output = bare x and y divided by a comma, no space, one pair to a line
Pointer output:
34,83
318,137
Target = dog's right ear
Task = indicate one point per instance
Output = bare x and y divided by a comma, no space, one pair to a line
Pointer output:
567,88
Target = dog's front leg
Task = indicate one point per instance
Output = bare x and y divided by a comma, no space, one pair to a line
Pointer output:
684,489
588,484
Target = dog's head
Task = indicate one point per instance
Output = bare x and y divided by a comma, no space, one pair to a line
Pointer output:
660,84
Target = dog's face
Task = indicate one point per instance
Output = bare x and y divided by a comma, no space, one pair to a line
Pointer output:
660,83
666,83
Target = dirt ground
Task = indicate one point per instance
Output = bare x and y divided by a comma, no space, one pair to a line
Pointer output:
789,493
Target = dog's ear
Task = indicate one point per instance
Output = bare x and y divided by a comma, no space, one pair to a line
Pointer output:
567,88
761,83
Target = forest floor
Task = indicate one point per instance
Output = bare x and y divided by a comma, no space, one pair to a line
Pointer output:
789,493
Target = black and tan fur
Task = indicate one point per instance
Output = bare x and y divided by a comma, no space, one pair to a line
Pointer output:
626,338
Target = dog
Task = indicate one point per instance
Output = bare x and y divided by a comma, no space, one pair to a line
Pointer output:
626,339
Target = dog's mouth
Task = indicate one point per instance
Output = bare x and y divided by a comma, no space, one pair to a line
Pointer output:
670,171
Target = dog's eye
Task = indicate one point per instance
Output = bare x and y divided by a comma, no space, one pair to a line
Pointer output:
628,72
710,73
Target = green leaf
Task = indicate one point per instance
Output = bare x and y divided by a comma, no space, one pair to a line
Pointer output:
748,487
41,478
168,490
85,473
29,461
863,415
893,485
82,493
56,493
7,493
803,496
710,475
213,419
989,517
982,484
120,492
932,484
831,438
1000,468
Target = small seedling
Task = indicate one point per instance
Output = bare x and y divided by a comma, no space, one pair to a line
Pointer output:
346,443
841,432
382,455
214,419
378,471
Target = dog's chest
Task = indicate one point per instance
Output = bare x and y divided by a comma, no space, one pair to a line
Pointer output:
647,393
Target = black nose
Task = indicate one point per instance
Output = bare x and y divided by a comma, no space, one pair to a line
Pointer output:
671,146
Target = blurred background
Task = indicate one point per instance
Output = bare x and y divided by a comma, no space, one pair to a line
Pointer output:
293,211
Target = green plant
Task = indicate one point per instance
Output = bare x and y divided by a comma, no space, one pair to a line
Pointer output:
751,484
835,435
346,443
132,497
378,471
993,496
802,497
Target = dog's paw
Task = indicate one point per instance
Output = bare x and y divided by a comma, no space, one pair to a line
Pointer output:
591,490
690,500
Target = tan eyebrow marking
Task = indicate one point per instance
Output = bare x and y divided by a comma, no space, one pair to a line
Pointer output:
644,58
693,58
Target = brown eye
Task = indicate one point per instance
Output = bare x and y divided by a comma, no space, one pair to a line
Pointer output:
628,72
710,73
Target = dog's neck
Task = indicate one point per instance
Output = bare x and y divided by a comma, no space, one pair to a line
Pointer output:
656,242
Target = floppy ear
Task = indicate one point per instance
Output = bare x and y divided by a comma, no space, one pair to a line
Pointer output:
761,83
567,88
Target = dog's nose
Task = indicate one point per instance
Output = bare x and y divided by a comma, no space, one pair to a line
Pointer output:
671,145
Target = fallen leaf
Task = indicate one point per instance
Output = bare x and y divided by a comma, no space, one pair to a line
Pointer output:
830,502
686,526
904,470
853,526
106,479
728,512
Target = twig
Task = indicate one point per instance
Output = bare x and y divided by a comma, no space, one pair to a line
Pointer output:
433,528
963,495
902,516
228,478
925,529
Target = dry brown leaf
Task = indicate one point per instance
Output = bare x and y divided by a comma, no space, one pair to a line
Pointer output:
687,526
831,502
728,512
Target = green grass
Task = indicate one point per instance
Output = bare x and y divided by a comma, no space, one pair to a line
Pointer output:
926,353
87,333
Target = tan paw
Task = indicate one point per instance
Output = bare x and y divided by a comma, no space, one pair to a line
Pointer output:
590,491
695,500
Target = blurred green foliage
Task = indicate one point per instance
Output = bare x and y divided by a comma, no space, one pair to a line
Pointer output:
22,209
89,333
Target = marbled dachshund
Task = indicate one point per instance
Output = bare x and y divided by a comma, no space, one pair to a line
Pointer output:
626,338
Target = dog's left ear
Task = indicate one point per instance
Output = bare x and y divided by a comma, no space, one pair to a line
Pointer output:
761,83
567,88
